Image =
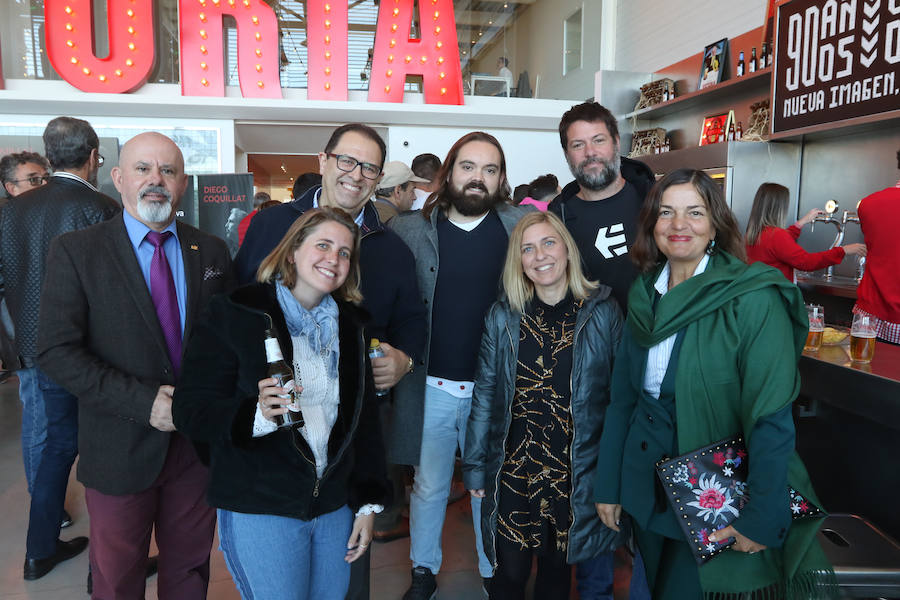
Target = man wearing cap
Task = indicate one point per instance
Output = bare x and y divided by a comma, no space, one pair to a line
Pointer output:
396,191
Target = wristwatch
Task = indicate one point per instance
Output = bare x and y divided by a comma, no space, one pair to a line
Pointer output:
409,365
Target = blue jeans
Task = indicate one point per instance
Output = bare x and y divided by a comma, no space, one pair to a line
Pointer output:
289,559
60,450
444,430
594,578
34,423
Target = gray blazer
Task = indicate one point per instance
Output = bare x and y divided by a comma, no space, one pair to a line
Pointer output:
422,238
99,337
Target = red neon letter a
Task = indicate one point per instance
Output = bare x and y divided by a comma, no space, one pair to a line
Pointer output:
69,37
202,59
435,55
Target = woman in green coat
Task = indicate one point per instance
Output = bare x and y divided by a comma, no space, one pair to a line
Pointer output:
710,350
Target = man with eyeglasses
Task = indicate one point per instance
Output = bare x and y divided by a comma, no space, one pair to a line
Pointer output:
69,201
351,167
23,171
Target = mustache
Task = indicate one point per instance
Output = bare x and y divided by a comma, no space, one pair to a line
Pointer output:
475,185
155,189
590,161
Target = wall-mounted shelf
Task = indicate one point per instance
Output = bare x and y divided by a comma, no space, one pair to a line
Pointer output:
760,79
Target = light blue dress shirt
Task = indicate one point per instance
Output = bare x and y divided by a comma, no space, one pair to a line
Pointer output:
143,250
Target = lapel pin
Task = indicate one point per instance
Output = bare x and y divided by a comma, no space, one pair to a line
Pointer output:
194,247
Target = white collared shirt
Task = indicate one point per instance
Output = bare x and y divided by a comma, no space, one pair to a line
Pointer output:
68,175
658,356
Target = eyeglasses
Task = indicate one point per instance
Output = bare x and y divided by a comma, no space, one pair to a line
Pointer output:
35,180
348,163
100,160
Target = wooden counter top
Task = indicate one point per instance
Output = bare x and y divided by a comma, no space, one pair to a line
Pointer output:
844,287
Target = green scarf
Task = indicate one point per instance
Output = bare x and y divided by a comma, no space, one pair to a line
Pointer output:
711,308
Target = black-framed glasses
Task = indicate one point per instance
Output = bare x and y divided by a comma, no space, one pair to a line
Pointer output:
100,160
348,163
34,180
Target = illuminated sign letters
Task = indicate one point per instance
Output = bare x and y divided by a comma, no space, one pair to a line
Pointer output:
434,56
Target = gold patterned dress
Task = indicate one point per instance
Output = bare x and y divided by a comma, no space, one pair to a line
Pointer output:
534,484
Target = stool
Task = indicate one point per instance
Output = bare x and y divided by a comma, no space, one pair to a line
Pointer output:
866,561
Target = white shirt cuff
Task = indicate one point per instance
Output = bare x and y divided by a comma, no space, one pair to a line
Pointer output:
261,425
368,509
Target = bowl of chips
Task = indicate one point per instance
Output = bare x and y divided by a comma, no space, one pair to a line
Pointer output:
835,336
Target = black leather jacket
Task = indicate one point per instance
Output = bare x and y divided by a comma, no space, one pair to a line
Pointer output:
27,225
598,328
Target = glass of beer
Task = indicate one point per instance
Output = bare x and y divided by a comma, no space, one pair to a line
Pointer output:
862,338
816,316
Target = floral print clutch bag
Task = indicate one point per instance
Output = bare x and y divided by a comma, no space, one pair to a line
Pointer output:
707,489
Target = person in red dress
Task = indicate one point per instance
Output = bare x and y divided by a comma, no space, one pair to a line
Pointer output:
767,241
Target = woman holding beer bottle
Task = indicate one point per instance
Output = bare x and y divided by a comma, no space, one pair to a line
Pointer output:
709,352
295,503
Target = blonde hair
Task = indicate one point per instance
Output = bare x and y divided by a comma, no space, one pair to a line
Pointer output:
518,288
277,264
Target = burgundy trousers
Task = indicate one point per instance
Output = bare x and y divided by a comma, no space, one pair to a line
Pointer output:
121,525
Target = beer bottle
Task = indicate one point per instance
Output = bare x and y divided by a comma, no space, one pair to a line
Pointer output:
666,93
375,351
740,65
731,133
753,60
740,131
284,375
764,55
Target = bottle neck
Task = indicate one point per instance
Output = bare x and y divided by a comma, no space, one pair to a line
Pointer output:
273,350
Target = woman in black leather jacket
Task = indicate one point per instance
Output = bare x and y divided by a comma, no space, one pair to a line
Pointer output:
540,395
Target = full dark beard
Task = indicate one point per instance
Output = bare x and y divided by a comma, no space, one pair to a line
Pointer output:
471,205
595,181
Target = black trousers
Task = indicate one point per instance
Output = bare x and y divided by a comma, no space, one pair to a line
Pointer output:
554,575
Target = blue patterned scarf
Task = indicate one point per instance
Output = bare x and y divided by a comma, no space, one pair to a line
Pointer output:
318,326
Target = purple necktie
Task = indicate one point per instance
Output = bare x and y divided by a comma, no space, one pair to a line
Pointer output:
162,290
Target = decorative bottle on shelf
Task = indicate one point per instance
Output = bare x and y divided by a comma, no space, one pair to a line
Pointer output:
740,65
666,93
740,132
280,370
752,68
666,146
763,56
731,133
769,55
375,351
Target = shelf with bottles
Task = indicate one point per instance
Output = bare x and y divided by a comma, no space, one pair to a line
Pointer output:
759,79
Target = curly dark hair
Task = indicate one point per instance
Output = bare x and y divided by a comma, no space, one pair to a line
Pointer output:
592,112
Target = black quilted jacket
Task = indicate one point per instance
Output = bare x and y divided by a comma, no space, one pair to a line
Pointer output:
27,225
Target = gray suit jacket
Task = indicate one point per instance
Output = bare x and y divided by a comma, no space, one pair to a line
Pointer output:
99,337
422,238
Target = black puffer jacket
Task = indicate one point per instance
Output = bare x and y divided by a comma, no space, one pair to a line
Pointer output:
28,223
598,328
215,403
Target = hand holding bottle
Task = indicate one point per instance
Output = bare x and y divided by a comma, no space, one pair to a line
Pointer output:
271,398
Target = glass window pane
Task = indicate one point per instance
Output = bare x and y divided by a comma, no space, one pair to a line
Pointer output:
572,42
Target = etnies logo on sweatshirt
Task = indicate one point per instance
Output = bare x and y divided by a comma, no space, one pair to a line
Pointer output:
611,241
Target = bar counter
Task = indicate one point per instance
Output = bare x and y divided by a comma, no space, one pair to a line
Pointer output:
848,418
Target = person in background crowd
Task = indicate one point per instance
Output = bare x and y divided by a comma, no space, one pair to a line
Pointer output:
258,200
292,533
520,192
19,173
118,349
395,192
459,241
68,202
600,209
878,293
425,166
503,71
350,167
601,206
541,191
767,242
710,351
305,182
23,171
537,413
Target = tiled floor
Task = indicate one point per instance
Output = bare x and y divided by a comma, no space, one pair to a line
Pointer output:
458,579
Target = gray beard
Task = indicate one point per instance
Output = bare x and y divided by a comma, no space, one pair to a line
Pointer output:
154,212
596,181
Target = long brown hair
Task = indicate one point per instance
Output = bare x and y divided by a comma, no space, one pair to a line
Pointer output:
646,254
770,207
277,264
437,199
518,288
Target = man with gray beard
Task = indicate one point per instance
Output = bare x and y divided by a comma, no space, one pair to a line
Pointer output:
600,208
124,295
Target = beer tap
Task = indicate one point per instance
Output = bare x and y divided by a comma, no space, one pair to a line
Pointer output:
830,208
851,216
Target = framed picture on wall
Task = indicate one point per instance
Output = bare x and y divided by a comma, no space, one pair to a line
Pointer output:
715,129
715,57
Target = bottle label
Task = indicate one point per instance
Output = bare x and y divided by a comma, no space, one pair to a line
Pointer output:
292,403
273,350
